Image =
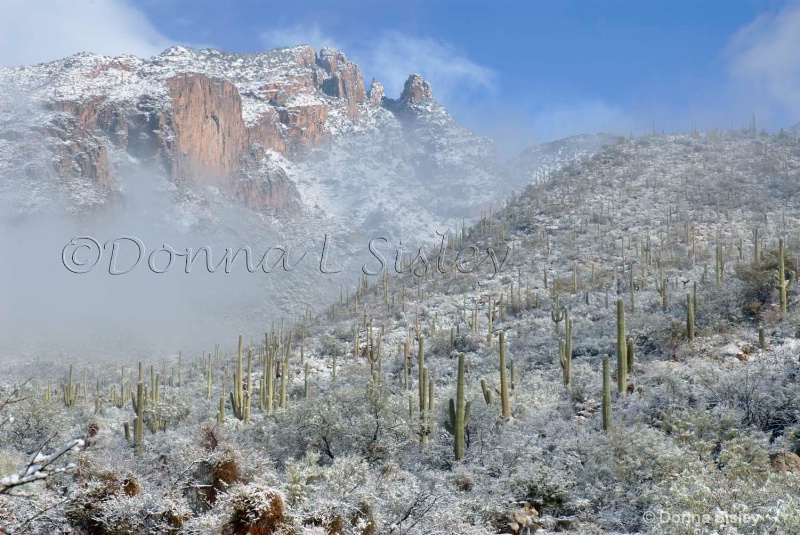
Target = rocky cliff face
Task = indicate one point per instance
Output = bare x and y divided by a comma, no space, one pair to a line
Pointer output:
288,131
210,136
205,118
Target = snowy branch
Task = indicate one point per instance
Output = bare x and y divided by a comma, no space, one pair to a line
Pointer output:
40,466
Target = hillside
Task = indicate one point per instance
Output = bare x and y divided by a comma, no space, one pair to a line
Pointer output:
340,422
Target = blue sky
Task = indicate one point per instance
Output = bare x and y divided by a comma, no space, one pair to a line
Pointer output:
520,71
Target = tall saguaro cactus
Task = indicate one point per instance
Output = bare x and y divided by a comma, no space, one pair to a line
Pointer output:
606,395
504,401
781,276
565,352
622,349
138,424
240,398
421,386
689,317
70,390
458,412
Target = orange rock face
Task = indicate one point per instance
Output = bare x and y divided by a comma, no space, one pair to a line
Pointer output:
97,114
210,135
345,82
77,153
273,191
416,90
196,132
306,127
267,133
279,92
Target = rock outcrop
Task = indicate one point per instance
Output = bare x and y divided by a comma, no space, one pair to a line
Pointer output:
344,79
375,94
305,127
77,153
98,115
416,91
210,135
246,125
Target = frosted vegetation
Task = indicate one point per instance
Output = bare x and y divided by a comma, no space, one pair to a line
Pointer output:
323,425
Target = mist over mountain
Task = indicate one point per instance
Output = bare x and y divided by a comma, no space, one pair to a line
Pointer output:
195,148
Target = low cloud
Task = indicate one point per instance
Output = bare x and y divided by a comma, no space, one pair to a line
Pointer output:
588,117
765,63
450,72
393,56
298,34
36,31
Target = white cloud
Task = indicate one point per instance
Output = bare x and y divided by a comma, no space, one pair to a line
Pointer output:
582,117
765,62
393,56
34,31
298,34
450,72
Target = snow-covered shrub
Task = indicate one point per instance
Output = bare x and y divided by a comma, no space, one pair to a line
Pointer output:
95,492
143,513
213,475
255,509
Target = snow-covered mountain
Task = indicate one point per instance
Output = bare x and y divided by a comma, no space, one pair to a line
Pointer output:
282,146
288,131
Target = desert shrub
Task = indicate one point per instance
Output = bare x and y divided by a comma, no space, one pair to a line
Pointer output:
440,345
466,341
212,476
142,513
348,418
767,397
332,346
165,413
759,287
34,421
700,493
86,507
255,510
759,280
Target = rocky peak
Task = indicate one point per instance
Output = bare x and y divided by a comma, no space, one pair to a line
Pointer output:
375,94
342,79
330,58
416,91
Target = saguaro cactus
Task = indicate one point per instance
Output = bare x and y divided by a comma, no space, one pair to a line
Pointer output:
565,352
421,386
606,395
487,394
138,424
689,317
490,315
557,314
782,286
70,390
504,401
458,413
630,353
240,398
622,349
